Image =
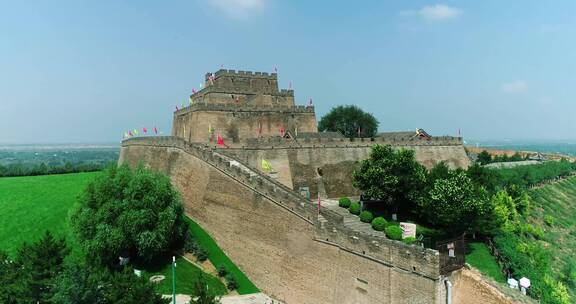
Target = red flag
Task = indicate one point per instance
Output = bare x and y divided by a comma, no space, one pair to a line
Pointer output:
144,130
219,140
155,130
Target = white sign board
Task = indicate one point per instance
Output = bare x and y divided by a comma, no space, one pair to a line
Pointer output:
408,230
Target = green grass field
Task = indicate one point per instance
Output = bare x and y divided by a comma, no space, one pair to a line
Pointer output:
33,204
218,257
479,257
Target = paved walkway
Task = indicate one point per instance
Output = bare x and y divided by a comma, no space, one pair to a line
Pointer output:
255,298
350,220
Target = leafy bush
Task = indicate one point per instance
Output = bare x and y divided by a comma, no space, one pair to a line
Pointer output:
394,232
366,216
190,244
409,240
354,208
379,223
344,202
535,231
231,282
549,220
201,254
222,271
134,211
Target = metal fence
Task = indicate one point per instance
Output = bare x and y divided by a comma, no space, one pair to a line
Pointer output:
452,254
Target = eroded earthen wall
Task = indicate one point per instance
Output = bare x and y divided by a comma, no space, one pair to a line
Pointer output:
237,126
332,167
276,249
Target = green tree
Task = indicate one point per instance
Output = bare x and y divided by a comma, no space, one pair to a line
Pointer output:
12,291
349,120
455,203
39,263
78,284
124,211
392,176
202,293
82,284
484,158
439,171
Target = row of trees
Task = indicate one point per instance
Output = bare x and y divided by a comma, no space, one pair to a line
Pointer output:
477,200
485,157
44,169
40,274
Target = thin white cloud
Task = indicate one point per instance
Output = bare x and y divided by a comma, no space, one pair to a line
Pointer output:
238,9
436,12
517,86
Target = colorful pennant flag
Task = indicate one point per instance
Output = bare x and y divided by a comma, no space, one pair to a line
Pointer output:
155,130
130,133
135,132
145,130
310,102
177,109
191,101
275,69
266,166
126,134
210,130
220,140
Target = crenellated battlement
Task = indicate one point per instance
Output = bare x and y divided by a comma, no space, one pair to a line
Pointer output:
250,74
279,142
231,107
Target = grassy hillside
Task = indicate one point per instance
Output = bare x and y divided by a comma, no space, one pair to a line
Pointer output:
33,204
554,210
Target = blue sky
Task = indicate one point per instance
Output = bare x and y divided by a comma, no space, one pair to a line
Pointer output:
86,71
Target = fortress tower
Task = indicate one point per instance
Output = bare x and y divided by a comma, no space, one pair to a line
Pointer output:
238,105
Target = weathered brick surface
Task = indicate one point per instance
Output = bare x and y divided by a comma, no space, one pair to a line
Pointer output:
278,250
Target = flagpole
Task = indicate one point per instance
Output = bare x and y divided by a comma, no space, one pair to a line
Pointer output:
173,280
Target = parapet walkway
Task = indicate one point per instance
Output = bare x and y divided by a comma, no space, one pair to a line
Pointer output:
351,221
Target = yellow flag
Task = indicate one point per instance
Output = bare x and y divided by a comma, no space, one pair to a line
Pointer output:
135,132
266,166
210,128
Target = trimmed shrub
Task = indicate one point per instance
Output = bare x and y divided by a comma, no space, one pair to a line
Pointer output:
231,282
409,240
201,254
344,202
354,208
366,216
393,232
550,220
379,223
190,244
222,272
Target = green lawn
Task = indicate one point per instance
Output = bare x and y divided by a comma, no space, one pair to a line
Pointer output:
186,274
31,205
479,256
218,257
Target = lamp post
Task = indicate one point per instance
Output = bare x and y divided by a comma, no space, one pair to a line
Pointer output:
173,280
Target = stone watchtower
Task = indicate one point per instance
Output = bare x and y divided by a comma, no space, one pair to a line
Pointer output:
238,105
